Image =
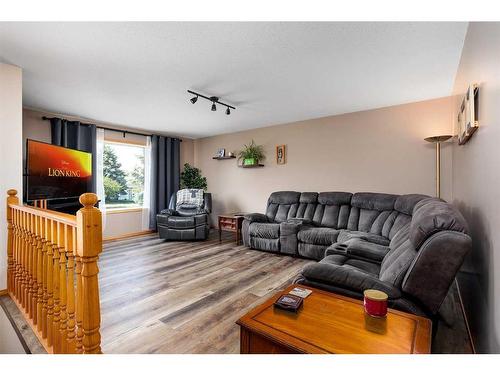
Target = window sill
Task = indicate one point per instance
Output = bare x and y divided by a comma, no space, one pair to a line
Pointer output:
111,211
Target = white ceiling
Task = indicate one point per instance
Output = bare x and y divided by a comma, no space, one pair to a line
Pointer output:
137,74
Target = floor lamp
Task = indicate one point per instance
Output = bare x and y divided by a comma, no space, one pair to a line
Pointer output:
438,139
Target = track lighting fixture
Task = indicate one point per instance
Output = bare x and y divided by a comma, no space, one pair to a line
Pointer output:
213,99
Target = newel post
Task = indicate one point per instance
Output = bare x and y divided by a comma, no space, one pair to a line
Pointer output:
89,246
11,199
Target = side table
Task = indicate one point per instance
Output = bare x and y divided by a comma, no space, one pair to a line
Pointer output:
231,223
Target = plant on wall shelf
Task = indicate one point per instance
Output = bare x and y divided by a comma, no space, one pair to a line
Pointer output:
191,178
252,154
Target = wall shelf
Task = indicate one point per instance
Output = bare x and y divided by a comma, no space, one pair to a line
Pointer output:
223,157
251,166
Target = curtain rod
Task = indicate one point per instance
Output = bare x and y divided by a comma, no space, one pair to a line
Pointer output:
114,130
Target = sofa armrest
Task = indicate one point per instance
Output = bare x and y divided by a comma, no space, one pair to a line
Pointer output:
348,278
359,249
288,236
257,218
208,202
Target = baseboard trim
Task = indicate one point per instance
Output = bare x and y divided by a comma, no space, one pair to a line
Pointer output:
128,235
465,317
3,292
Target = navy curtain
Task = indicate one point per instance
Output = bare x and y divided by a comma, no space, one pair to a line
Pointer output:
165,173
73,134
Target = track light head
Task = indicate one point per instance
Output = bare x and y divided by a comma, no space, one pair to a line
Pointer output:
194,99
214,108
228,111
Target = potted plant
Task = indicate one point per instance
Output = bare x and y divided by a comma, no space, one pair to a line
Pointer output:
191,178
251,154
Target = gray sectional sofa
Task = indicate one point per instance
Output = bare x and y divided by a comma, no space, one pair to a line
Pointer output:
409,246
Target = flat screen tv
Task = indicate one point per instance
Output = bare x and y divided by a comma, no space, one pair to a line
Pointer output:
55,172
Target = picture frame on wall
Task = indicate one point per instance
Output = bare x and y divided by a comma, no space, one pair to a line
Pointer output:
221,152
281,154
468,117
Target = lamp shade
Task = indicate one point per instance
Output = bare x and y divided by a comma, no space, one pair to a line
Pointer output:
438,138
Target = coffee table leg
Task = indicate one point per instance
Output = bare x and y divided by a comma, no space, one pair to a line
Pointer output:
237,236
220,232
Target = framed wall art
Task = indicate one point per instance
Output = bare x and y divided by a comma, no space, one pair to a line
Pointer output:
281,154
468,116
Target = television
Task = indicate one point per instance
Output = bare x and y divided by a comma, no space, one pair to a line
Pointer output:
55,172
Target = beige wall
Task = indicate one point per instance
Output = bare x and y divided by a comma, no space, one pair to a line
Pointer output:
11,101
380,150
476,182
117,224
124,223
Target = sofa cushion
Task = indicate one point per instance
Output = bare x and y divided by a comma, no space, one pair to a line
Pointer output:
318,236
359,249
346,235
265,230
406,203
307,205
332,210
282,205
181,221
395,264
351,274
374,201
431,216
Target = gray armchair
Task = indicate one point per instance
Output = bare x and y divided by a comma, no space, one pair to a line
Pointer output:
185,222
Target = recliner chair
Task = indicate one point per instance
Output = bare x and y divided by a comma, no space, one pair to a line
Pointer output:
185,222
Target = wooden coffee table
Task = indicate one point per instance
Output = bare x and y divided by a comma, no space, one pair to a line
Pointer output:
331,323
231,223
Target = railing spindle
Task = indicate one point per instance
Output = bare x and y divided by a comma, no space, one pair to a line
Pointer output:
62,287
11,239
71,335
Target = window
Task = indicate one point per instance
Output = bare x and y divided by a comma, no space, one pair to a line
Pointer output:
123,170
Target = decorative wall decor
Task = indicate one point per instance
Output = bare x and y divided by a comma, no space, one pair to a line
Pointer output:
281,154
221,152
468,119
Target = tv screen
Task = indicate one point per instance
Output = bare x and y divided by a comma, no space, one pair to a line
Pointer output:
55,172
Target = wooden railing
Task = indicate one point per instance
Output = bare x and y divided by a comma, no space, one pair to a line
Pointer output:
52,273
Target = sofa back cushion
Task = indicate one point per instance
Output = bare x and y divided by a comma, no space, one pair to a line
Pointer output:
307,206
282,205
401,216
398,259
332,210
370,211
433,215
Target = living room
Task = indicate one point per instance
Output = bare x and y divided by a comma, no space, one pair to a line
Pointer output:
265,187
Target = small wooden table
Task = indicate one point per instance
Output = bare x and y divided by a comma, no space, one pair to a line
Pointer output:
331,323
231,223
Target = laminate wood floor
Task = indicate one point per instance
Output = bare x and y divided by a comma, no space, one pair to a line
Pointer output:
183,297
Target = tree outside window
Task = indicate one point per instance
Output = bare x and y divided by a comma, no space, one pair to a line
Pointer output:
123,169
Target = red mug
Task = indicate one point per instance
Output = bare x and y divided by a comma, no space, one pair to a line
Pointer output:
375,302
